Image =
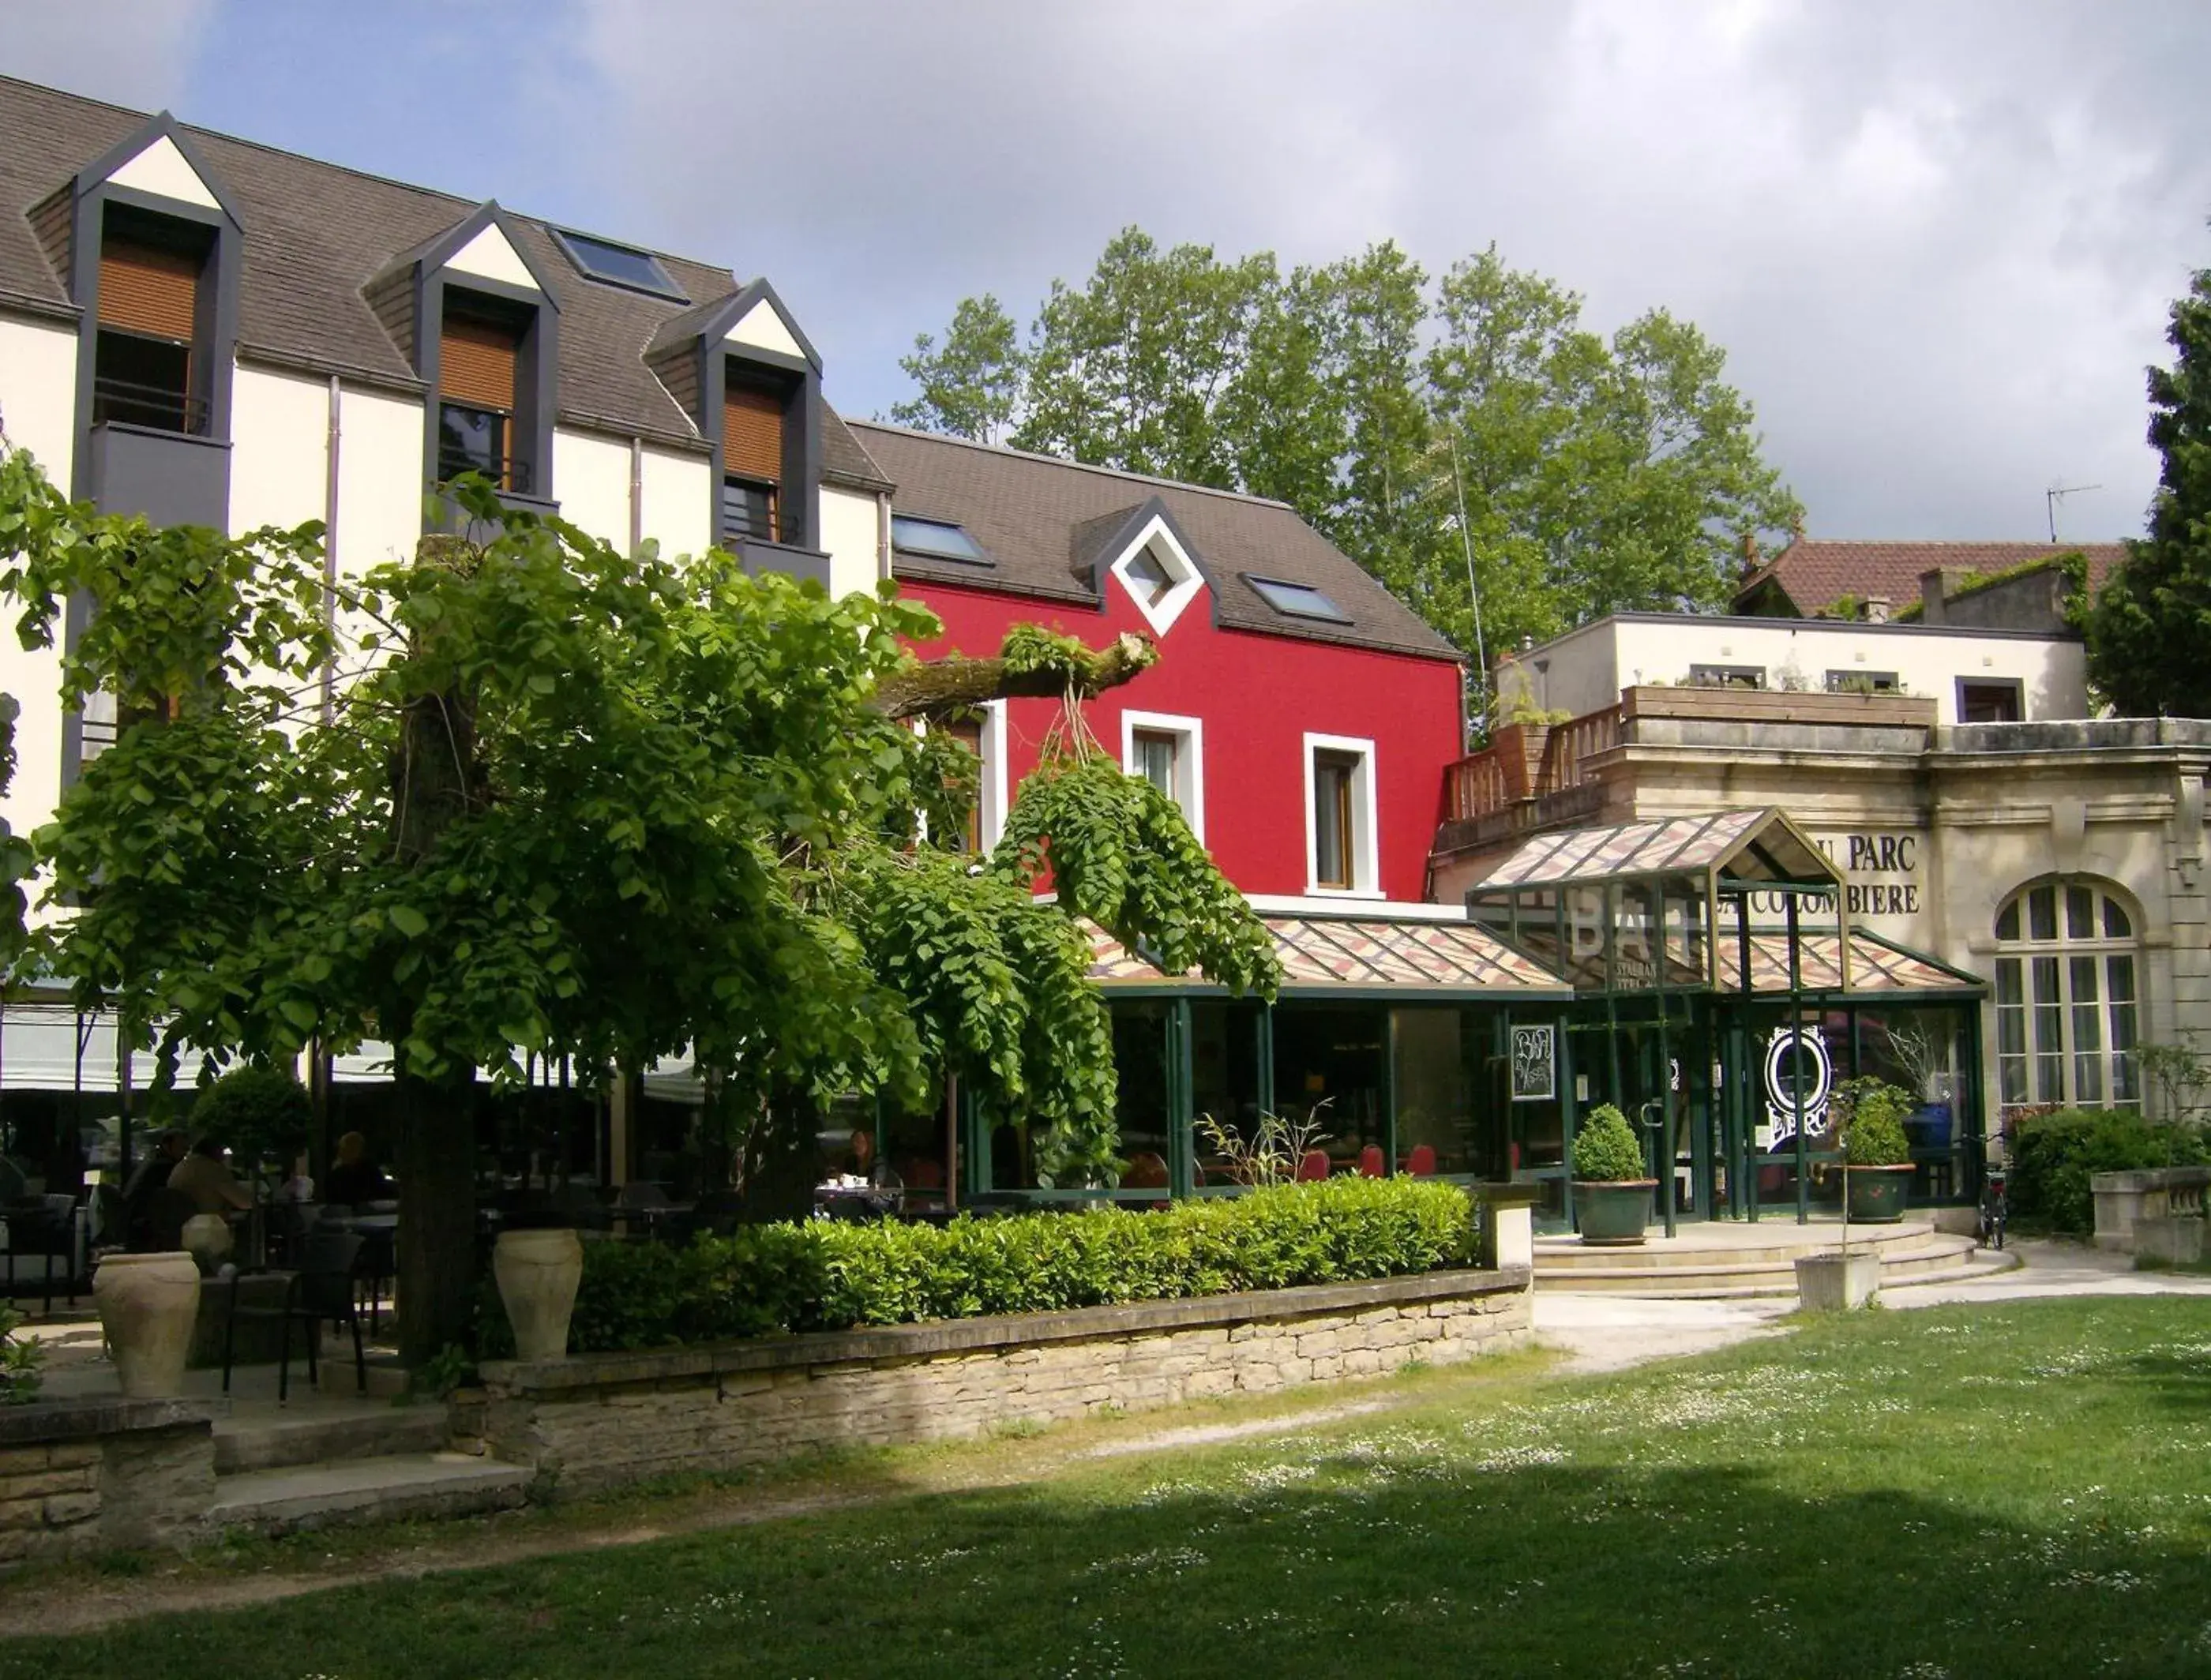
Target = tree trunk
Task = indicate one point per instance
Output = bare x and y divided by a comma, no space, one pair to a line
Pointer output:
950,684
783,1161
438,1277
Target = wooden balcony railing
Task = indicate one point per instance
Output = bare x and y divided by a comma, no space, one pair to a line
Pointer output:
1526,761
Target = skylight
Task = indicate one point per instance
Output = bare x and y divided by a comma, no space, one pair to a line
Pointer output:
935,538
619,265
1298,601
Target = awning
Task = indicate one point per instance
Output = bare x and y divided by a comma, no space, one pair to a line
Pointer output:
1353,956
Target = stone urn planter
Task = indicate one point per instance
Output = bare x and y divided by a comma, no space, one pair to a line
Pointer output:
208,1239
537,1273
1876,1193
147,1306
1613,1213
1837,1283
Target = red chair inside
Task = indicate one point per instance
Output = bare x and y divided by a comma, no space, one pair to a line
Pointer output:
923,1173
1421,1162
1147,1171
1313,1165
1371,1164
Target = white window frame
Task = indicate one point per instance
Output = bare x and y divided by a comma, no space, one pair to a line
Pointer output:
1365,829
1186,582
1190,758
991,785
2097,947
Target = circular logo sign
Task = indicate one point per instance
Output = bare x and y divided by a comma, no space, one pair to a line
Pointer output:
1795,1053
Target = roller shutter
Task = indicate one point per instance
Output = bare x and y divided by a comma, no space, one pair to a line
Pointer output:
148,289
476,363
752,433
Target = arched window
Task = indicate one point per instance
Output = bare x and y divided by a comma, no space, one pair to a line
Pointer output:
2066,998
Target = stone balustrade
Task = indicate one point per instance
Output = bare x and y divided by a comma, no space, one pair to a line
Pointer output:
2125,1200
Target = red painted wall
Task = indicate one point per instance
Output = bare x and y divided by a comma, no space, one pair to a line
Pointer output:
1259,696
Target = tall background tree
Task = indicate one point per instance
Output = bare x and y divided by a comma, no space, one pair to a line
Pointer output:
2149,627
1599,473
579,804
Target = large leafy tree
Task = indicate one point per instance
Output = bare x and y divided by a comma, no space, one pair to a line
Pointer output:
569,802
1597,473
2149,628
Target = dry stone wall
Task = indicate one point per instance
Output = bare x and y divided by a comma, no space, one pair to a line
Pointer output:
604,1420
91,1476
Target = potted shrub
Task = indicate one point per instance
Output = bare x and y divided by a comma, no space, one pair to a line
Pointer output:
1612,1194
1876,1152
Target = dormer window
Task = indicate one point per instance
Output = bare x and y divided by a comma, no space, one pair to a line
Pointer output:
148,362
479,354
753,454
1146,578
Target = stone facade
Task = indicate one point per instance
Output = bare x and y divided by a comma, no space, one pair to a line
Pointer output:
601,1421
1934,826
91,1476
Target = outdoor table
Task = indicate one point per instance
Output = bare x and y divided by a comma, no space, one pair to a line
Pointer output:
840,1200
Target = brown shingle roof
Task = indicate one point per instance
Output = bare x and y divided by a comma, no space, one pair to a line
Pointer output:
316,232
1815,572
1044,523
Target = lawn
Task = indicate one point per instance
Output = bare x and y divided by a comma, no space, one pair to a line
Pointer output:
2016,1490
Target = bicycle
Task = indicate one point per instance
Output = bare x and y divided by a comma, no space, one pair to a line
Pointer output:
1995,1209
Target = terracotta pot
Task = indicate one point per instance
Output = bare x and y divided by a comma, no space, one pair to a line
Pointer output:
537,1273
147,1306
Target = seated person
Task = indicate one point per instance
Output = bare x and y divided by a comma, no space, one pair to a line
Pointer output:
355,1178
859,1157
150,1174
206,1177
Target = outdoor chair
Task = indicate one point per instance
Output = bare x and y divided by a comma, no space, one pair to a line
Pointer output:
1421,1162
45,1228
1372,1163
321,1289
1312,1166
719,1211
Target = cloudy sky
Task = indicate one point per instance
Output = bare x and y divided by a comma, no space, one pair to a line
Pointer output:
1938,238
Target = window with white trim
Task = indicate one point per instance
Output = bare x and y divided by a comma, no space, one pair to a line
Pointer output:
2067,1001
1340,843
1169,752
983,733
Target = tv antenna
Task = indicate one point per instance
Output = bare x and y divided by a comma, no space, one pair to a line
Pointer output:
2056,493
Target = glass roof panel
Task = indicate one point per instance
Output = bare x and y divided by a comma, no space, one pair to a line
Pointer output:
1298,601
1749,845
1320,953
939,538
619,265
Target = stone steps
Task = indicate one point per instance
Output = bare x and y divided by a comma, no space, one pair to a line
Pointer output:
326,1431
351,1491
1774,1241
1712,1274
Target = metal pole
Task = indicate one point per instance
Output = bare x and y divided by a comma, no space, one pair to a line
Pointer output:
1474,588
1796,1067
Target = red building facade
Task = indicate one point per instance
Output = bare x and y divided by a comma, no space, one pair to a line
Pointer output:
1301,716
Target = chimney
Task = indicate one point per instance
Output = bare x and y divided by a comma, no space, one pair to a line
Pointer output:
1876,609
1749,552
1931,595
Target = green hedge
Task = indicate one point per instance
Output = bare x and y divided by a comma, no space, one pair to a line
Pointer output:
826,1275
2054,1154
